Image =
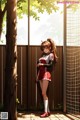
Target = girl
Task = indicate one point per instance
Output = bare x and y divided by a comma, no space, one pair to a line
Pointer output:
44,67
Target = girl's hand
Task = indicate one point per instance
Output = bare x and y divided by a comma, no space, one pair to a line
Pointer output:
40,64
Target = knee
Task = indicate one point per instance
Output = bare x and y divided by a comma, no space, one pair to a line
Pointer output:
43,94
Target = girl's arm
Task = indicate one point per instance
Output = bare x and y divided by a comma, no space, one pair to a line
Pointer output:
51,60
49,64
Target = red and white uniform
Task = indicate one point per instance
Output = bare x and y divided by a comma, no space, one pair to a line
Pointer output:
44,72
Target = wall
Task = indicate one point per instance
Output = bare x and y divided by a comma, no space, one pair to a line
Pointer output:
28,92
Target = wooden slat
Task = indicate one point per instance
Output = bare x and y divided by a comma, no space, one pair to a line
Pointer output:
1,74
19,74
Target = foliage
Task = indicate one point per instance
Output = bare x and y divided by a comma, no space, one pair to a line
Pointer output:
22,7
2,4
36,6
40,6
72,4
17,101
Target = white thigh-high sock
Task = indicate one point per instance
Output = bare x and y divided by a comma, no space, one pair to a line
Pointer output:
46,106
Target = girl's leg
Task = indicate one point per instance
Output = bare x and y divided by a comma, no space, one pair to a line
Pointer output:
44,94
44,86
44,89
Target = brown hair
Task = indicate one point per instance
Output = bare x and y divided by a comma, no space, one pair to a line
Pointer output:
53,47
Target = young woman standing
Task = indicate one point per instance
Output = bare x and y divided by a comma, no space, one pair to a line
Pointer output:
45,67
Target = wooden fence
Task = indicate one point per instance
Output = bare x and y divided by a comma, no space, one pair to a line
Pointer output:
28,92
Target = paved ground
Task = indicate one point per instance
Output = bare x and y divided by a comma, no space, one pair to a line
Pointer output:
53,116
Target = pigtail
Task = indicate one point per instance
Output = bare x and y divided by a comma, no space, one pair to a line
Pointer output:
53,49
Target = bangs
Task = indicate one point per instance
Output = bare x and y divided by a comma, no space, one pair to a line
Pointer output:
45,44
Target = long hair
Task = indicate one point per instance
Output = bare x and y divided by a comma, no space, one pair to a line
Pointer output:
53,48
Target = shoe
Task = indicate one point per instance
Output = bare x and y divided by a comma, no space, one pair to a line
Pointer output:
45,114
49,113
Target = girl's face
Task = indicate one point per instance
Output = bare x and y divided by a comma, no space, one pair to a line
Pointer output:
46,47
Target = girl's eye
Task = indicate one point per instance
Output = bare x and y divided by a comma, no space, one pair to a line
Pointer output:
46,46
